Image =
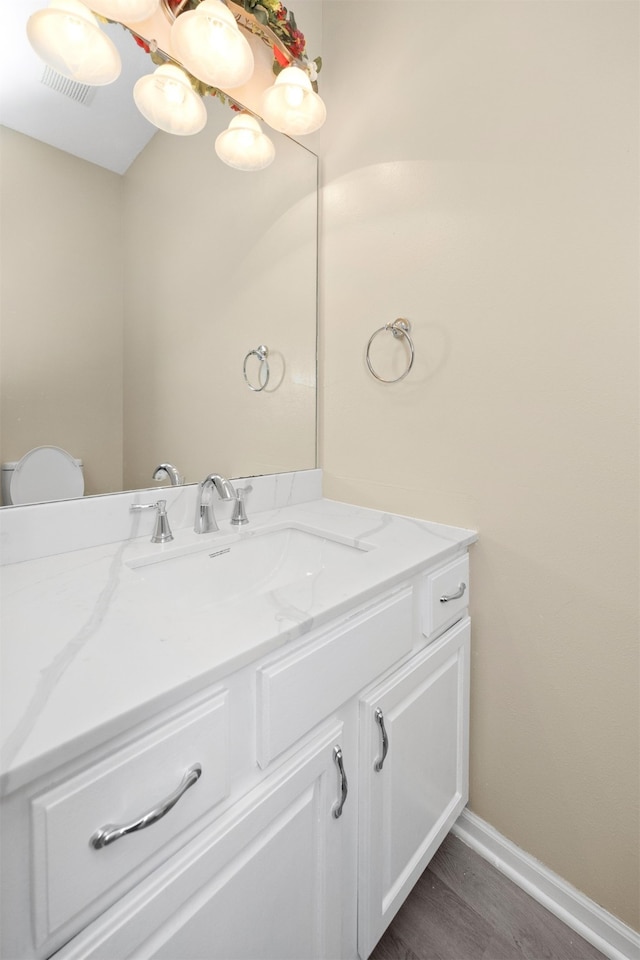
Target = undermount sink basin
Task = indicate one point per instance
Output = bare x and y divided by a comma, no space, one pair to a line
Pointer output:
230,568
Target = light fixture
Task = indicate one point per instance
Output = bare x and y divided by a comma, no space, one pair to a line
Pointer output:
200,51
67,37
133,11
167,99
208,42
243,145
291,105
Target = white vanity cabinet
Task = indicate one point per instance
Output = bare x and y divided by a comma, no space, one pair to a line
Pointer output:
265,881
332,768
413,775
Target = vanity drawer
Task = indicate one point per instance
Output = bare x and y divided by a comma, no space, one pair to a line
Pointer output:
298,691
70,874
444,596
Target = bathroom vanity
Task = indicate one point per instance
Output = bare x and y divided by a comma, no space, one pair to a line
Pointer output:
237,745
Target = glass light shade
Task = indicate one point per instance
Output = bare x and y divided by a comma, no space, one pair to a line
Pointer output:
67,37
291,105
207,40
125,11
244,146
167,99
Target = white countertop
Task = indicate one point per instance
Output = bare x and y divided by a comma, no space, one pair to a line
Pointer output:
88,649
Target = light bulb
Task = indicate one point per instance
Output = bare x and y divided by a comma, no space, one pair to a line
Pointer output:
167,99
244,146
294,95
173,92
67,37
207,40
125,11
291,105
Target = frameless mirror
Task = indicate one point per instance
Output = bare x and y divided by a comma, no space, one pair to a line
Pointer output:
133,304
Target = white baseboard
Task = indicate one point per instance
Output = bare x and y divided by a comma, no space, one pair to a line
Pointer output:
599,927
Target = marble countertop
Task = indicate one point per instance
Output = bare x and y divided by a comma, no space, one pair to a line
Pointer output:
88,648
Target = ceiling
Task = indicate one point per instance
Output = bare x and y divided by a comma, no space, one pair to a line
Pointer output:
107,130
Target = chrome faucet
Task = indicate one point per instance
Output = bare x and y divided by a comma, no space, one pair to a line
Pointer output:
162,530
169,470
205,521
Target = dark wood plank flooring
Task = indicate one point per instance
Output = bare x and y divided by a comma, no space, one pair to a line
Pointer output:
462,908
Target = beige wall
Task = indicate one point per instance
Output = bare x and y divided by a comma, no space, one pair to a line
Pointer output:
219,262
60,308
480,178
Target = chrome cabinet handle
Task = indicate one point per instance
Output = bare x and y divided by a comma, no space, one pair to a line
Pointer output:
454,596
110,832
344,786
385,740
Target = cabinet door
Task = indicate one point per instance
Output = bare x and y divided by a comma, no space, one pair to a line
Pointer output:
408,806
266,882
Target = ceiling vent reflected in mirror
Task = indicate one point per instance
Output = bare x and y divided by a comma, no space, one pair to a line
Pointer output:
80,93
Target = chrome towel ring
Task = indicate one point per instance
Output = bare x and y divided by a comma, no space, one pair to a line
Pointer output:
399,328
261,353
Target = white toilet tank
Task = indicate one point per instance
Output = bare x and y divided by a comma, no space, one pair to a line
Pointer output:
44,473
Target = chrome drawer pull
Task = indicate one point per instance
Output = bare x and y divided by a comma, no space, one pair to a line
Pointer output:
385,740
110,833
344,787
454,596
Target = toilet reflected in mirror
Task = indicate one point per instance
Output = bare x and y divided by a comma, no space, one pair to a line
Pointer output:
44,473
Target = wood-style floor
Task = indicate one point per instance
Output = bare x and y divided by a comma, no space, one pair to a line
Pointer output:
462,908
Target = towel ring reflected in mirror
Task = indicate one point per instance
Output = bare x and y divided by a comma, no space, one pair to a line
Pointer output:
261,353
399,328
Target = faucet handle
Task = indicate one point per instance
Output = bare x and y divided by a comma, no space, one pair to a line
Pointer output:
239,516
162,530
